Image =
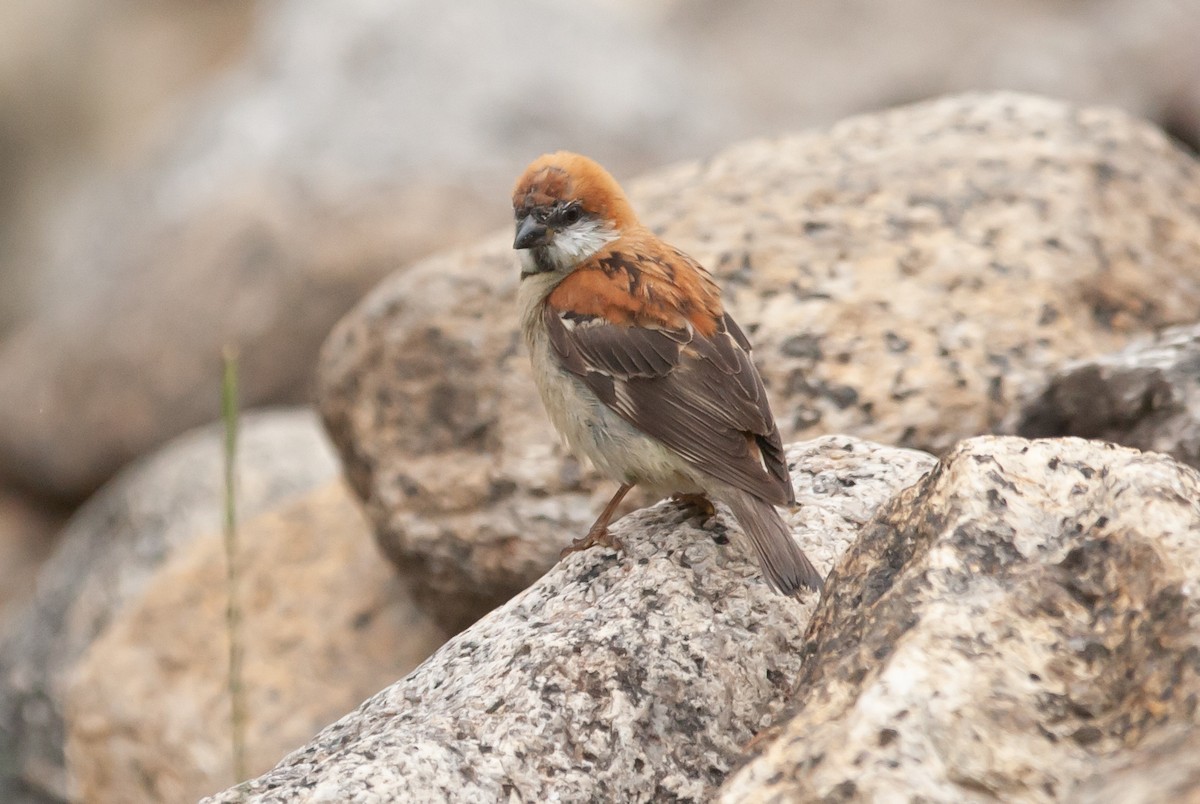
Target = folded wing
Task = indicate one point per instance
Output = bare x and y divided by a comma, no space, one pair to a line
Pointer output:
700,395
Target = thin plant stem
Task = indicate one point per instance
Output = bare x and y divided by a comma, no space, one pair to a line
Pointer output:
233,611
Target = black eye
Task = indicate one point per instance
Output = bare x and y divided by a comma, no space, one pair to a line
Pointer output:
571,215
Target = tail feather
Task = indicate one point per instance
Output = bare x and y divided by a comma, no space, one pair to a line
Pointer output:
783,563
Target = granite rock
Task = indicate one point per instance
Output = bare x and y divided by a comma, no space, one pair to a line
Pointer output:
1146,395
905,277
635,677
1021,625
324,623
109,551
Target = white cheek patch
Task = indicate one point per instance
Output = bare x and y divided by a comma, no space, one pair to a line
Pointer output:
576,243
528,262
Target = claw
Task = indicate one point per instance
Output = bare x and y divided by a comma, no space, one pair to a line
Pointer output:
598,533
596,537
698,501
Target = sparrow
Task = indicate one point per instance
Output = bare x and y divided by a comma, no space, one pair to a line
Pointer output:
638,365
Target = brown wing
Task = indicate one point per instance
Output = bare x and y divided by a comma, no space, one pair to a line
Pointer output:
698,394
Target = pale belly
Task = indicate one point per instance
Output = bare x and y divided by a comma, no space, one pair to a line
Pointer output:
593,431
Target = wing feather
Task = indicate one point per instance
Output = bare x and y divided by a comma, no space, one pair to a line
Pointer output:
699,395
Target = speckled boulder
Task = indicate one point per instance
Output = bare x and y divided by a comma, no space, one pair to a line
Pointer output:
1147,396
324,623
111,549
1015,627
903,275
630,678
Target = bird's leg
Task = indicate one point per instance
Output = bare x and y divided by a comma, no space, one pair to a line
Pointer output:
698,501
598,533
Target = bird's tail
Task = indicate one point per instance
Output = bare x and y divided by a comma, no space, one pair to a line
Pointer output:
783,563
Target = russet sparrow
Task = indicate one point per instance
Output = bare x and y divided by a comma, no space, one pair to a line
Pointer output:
640,368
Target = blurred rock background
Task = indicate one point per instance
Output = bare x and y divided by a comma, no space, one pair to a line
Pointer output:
176,176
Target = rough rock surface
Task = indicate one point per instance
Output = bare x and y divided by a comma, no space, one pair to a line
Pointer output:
631,678
1147,396
109,551
325,624
1024,618
903,275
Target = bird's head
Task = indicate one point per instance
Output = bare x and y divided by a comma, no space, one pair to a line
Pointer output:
567,208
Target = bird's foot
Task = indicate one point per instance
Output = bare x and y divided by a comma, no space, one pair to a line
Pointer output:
596,537
698,501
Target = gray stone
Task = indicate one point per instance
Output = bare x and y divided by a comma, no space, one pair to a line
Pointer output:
324,623
110,550
1021,620
1146,396
636,677
904,276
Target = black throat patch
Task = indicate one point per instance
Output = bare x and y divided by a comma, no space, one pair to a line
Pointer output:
541,262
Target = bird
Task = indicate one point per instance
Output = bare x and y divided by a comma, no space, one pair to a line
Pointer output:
640,368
